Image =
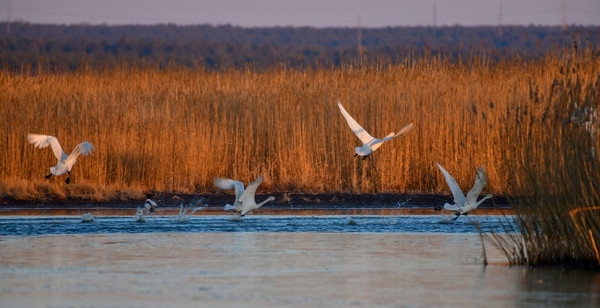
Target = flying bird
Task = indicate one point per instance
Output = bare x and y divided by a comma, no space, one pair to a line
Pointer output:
370,143
462,205
244,198
65,162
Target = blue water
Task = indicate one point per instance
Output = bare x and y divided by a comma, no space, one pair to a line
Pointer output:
53,225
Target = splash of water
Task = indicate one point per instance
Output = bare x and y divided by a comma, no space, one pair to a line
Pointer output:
351,221
294,222
139,215
446,219
87,217
390,220
183,216
236,217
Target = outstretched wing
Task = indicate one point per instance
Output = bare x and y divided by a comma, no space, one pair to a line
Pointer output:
83,148
403,131
42,141
248,195
480,182
224,183
459,197
360,132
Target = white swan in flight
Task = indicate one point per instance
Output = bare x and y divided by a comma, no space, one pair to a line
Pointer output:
65,162
370,143
244,199
462,205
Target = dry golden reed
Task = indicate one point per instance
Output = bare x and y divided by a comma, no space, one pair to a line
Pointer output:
557,168
175,129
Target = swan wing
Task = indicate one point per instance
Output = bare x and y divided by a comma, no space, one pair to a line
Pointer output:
403,131
480,182
83,148
459,197
360,132
248,195
42,141
224,183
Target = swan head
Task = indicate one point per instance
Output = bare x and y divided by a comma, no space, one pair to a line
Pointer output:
270,198
488,196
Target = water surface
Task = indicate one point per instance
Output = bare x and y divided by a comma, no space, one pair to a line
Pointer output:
270,262
31,225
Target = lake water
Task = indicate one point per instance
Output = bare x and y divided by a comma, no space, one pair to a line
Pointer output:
405,261
31,225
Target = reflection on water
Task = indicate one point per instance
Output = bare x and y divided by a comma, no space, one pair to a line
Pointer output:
274,269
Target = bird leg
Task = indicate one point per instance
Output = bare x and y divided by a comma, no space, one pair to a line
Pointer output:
48,176
365,157
355,154
68,180
457,214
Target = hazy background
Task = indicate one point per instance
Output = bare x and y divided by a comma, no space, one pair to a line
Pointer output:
316,13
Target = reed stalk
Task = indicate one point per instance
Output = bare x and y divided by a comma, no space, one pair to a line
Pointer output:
557,197
175,129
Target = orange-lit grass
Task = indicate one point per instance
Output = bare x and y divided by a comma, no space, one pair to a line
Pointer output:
175,129
557,201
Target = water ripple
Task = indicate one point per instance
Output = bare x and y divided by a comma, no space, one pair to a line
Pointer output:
162,224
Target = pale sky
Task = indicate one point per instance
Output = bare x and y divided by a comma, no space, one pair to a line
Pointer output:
315,13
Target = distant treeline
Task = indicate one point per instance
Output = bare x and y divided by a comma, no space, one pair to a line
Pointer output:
220,47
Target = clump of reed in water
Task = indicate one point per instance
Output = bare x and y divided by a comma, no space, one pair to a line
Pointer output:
557,203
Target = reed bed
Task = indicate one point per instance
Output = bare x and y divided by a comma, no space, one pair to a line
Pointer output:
558,200
175,129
